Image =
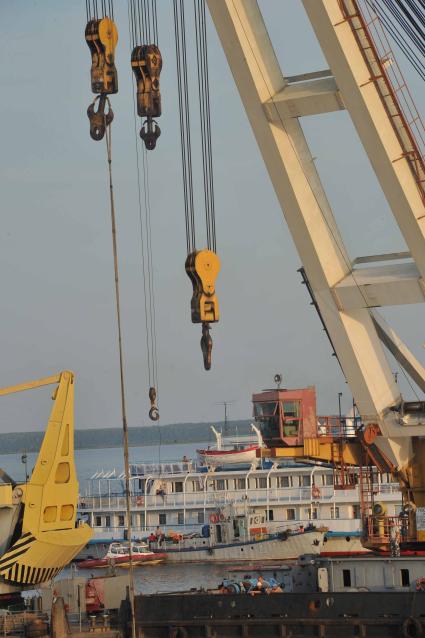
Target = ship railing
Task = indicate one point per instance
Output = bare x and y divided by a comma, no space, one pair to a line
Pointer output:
169,467
336,427
209,499
385,529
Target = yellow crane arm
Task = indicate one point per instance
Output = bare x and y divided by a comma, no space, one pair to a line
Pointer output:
46,537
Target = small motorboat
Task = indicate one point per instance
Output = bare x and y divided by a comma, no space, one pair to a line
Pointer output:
230,451
118,555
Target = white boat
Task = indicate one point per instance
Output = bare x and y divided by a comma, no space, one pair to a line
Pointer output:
118,554
233,537
181,497
231,451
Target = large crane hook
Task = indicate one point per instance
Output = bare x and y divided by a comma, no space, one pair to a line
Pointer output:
202,267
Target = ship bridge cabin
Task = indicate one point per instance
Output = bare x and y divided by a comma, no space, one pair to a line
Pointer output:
286,417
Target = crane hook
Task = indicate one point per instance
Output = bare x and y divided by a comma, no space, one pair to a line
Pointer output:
99,120
149,133
206,345
153,412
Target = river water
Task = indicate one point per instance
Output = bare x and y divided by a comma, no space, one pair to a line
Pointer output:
149,578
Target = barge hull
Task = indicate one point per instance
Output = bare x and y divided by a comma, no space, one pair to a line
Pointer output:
291,615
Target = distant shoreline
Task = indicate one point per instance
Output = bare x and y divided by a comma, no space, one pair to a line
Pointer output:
104,438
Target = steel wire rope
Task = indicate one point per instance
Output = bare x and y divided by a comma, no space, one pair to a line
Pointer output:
146,244
187,119
406,26
150,270
205,118
408,21
202,117
209,136
184,118
108,138
339,248
147,14
397,36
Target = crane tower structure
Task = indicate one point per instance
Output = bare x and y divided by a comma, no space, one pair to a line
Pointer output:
347,295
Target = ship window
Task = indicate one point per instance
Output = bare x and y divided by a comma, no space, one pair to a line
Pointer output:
346,577
356,511
262,410
334,512
306,480
121,520
328,479
271,515
178,486
240,484
405,578
268,415
284,481
180,518
290,514
201,518
291,417
220,484
98,521
107,521
162,519
262,482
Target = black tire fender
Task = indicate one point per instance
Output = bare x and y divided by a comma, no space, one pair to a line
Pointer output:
412,628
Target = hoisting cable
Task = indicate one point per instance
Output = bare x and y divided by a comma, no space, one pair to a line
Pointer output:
146,62
202,266
122,382
145,228
404,20
101,36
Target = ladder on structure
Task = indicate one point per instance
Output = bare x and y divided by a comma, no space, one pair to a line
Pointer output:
389,81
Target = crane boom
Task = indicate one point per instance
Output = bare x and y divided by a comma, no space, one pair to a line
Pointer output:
38,531
347,291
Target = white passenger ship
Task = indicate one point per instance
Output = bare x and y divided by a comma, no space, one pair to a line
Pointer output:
183,497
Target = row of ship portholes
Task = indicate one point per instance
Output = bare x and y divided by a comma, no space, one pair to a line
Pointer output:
347,538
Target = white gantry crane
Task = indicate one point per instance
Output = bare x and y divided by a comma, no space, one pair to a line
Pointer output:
358,80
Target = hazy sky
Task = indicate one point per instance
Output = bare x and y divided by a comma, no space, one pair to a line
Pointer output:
55,257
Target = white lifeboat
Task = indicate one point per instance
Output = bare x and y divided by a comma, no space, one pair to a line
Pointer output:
231,451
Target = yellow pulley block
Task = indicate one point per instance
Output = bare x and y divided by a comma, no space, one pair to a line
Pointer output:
202,268
146,62
102,37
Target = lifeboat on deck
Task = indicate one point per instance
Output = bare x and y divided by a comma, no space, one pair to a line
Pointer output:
231,451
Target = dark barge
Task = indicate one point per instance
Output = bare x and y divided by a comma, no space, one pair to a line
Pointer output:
327,598
291,615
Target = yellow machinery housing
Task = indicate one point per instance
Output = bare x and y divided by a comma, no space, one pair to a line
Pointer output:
38,532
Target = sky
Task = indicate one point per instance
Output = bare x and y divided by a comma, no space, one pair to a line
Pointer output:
56,259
